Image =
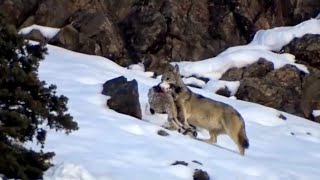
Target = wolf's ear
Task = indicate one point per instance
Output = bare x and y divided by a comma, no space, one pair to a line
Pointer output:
176,68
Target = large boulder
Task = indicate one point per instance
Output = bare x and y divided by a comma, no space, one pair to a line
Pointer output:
67,37
310,99
306,49
36,35
280,89
70,38
258,69
124,96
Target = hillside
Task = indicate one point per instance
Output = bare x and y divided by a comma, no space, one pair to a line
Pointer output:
110,145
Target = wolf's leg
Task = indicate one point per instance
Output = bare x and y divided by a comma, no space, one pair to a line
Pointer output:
182,115
212,139
213,136
171,126
174,124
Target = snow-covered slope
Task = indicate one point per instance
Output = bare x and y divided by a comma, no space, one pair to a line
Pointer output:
110,145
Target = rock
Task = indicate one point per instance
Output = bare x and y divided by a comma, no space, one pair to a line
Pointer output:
201,175
233,74
17,11
197,162
67,37
180,163
70,38
258,69
287,89
101,35
158,32
124,96
36,35
88,45
310,95
28,22
306,49
224,92
55,13
118,10
281,116
261,91
163,133
280,89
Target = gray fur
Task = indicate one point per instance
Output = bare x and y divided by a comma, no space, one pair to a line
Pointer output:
216,117
163,103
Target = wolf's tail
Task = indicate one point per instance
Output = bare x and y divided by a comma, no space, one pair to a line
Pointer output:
243,139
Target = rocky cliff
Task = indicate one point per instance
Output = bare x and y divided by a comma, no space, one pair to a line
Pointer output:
156,31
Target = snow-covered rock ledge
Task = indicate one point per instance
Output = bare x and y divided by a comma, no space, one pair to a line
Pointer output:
262,45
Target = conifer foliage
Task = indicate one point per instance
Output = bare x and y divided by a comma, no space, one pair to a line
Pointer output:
27,105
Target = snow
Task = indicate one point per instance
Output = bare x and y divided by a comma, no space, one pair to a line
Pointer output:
137,67
115,146
68,171
214,86
110,145
262,45
274,39
47,32
316,113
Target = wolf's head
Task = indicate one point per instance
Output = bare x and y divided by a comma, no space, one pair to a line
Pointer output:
171,78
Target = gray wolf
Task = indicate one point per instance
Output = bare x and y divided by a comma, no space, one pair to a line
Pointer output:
163,103
199,111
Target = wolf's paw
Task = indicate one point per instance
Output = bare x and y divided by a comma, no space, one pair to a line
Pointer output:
195,134
191,132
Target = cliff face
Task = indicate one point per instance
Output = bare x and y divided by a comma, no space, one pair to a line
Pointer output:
156,31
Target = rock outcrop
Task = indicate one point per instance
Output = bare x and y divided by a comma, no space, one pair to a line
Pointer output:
156,32
287,89
306,50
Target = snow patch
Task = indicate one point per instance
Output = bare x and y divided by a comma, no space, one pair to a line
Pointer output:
194,81
316,113
47,32
215,85
68,171
137,67
274,39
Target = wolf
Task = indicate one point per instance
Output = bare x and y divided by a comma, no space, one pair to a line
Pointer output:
217,117
163,103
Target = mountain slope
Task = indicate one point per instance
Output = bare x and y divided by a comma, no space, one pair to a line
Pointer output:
116,146
110,145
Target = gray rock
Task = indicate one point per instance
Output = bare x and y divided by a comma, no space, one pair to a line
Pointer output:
36,35
124,96
163,133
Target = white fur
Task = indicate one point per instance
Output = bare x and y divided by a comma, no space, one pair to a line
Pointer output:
165,86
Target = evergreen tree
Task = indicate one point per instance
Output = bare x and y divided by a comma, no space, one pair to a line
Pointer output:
26,106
